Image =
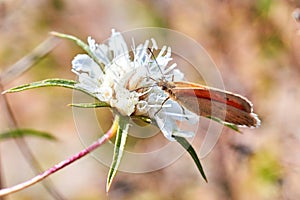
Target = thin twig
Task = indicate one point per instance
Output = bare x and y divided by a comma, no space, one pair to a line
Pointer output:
29,60
64,163
12,73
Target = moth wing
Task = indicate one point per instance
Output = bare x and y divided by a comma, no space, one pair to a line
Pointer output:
212,102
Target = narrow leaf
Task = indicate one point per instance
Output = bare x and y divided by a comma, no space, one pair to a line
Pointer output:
118,150
54,82
81,44
48,83
185,144
90,105
229,125
45,83
26,132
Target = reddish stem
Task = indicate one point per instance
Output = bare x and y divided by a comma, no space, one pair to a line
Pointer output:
62,164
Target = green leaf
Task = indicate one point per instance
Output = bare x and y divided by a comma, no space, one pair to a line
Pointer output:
90,105
229,125
45,83
26,132
118,150
54,82
81,44
185,144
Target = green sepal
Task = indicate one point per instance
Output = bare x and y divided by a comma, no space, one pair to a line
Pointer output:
81,44
185,144
118,150
90,105
229,125
145,119
25,132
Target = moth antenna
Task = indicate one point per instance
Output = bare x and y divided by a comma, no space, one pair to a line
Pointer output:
152,79
150,86
156,62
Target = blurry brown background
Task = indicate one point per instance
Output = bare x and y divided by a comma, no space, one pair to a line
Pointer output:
255,45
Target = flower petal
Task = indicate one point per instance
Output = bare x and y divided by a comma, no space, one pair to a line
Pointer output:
118,45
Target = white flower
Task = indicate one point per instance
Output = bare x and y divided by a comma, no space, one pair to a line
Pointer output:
129,84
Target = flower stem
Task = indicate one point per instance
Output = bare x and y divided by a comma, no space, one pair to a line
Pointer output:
64,163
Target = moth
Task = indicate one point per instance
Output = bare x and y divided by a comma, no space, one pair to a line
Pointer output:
212,102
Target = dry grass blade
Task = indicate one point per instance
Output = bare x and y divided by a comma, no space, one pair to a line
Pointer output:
29,60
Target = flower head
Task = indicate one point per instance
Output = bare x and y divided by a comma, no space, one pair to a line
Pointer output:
128,81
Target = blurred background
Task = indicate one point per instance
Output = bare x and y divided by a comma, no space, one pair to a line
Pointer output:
256,46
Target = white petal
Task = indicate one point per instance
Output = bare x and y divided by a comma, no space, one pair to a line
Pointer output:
162,51
154,44
87,83
82,63
169,127
91,43
169,69
104,93
182,133
103,54
166,126
118,45
178,75
100,51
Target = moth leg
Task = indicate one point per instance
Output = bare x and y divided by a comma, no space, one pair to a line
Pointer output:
165,100
183,111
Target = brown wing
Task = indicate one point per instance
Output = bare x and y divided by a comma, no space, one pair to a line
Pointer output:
207,101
